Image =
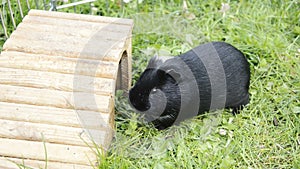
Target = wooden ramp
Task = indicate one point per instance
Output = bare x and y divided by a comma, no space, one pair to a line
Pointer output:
58,76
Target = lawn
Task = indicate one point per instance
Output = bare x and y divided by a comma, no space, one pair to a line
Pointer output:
266,134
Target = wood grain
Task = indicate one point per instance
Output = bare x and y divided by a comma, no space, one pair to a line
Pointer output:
59,64
55,98
57,81
11,163
55,152
58,77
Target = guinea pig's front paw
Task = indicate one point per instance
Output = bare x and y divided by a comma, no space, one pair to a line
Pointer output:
236,110
163,122
157,124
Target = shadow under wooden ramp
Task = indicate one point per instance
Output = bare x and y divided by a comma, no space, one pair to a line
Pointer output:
58,77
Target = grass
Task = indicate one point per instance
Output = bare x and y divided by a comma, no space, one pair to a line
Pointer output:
266,134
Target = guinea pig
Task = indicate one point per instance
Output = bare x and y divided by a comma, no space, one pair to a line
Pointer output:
211,76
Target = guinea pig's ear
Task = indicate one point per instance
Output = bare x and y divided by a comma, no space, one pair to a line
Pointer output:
162,75
174,74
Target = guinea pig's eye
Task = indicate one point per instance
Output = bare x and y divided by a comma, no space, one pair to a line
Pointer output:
154,90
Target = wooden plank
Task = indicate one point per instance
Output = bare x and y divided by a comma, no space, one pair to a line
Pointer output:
11,163
129,62
55,152
103,41
57,81
124,73
80,17
81,33
52,133
88,51
91,50
5,164
55,116
54,98
103,27
59,64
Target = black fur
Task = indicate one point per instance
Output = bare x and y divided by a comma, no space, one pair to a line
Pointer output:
237,75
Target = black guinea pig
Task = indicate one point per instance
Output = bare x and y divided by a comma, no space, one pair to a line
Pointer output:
211,76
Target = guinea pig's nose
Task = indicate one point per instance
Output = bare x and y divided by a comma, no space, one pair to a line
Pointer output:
140,106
